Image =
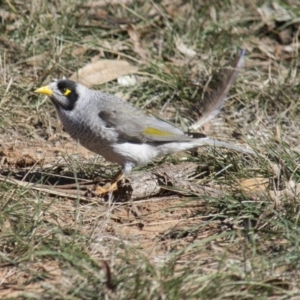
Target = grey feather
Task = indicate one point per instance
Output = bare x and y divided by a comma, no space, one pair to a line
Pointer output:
213,103
221,144
130,124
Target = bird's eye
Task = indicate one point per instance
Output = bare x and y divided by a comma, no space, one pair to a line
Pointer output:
66,91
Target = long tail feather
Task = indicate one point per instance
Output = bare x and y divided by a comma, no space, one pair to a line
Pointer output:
217,143
213,104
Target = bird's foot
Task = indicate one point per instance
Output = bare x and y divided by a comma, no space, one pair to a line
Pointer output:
111,186
107,188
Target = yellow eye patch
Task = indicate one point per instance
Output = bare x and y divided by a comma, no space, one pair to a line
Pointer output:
155,132
67,92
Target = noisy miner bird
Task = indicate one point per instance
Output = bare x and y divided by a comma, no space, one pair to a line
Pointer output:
122,134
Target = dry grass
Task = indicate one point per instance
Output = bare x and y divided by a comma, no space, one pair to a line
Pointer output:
244,245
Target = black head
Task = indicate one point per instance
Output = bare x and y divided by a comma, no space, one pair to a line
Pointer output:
64,93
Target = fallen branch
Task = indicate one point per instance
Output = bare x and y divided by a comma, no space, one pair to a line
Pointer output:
173,178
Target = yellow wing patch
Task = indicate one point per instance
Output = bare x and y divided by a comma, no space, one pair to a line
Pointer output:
155,132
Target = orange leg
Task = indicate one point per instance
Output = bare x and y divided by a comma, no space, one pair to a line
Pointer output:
112,186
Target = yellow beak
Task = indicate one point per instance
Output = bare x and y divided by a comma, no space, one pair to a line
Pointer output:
44,90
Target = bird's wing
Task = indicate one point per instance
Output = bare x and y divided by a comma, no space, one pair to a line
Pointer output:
134,126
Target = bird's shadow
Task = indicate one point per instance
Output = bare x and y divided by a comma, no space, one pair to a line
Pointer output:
57,178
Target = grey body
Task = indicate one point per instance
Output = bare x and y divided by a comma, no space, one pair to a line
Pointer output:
113,128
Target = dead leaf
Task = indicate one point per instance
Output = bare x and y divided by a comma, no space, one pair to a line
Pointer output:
7,43
136,41
80,50
106,270
99,3
213,13
176,8
13,156
183,48
112,21
286,36
14,26
272,12
103,71
278,282
276,169
254,184
5,228
37,60
7,16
